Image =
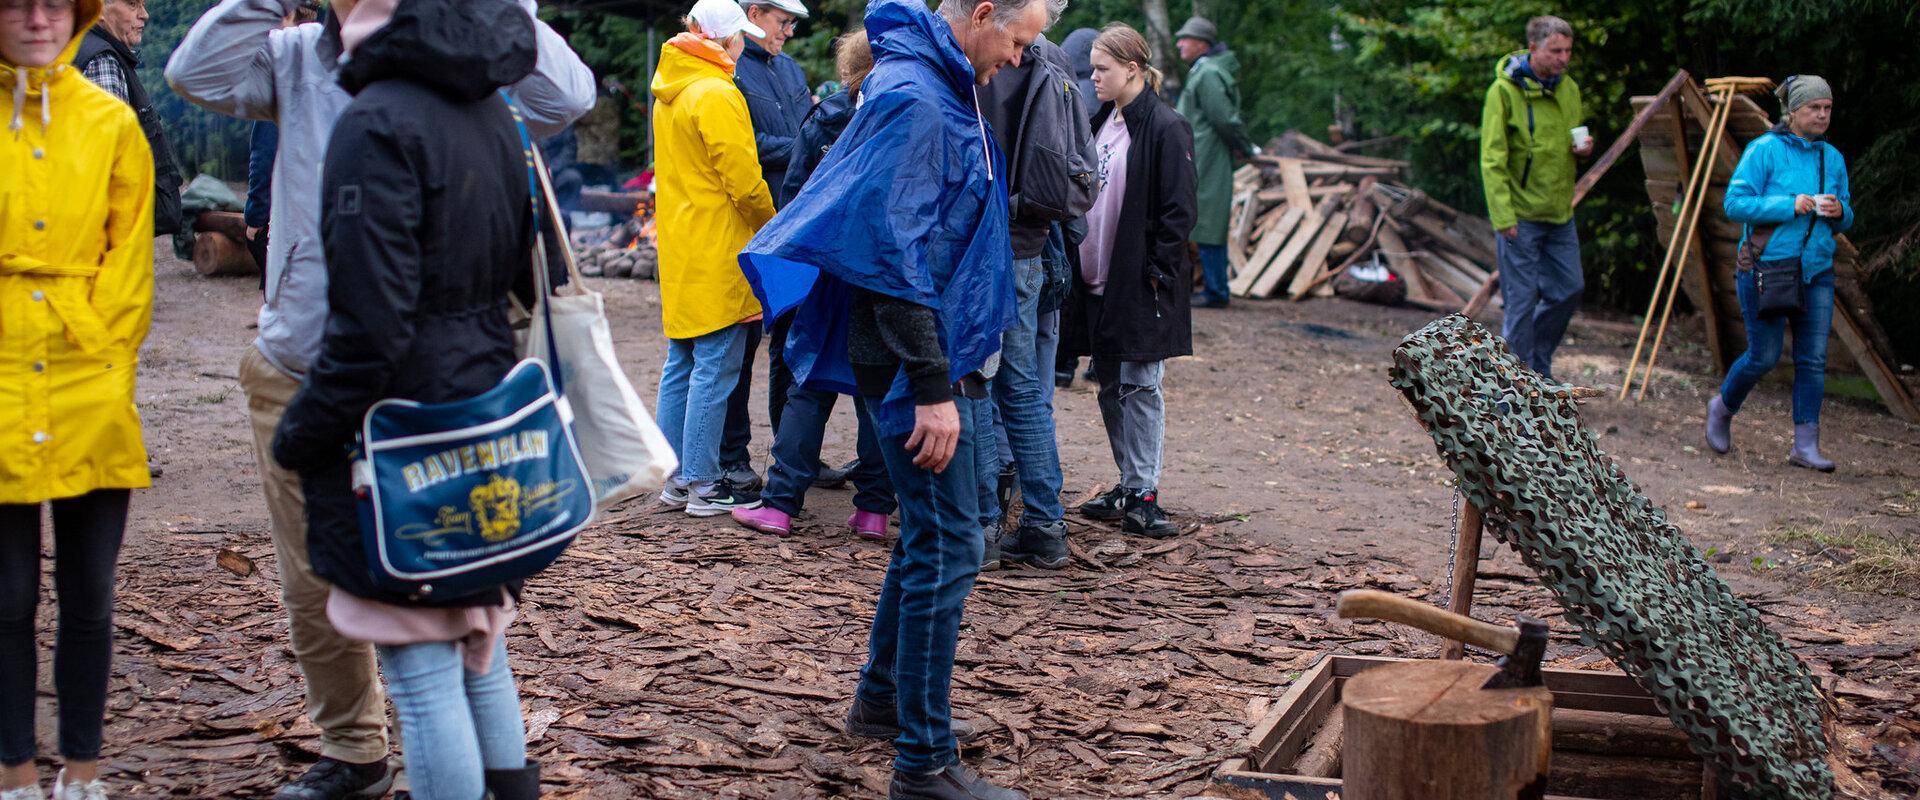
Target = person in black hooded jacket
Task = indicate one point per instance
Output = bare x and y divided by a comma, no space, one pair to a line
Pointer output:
428,227
1130,304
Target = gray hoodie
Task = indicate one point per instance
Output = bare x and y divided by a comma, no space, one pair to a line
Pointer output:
238,61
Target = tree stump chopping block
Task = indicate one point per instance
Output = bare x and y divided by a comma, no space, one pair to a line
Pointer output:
1425,730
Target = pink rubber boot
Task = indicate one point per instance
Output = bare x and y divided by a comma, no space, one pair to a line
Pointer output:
765,519
868,525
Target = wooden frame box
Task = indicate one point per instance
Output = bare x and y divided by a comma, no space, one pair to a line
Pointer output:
1610,741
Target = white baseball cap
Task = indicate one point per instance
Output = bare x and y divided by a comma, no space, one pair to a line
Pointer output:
719,19
790,6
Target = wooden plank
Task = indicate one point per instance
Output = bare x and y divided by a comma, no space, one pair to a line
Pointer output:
1297,244
1892,391
1289,716
1619,147
1316,258
1270,244
1293,179
1440,234
1240,230
1419,286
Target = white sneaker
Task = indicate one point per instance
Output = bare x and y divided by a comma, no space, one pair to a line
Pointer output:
674,496
94,790
31,792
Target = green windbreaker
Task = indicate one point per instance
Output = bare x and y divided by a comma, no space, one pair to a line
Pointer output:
1526,146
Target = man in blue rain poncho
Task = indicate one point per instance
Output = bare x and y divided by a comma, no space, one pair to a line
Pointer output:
896,262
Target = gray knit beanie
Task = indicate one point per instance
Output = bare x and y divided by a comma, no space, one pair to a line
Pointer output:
1799,90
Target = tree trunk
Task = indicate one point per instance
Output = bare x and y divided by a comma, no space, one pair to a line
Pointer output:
1160,35
1425,730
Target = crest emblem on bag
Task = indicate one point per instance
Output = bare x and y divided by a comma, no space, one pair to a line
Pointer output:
496,508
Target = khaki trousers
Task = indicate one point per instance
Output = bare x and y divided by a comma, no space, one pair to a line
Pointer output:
344,697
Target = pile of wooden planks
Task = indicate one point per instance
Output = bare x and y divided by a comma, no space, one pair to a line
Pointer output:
1306,211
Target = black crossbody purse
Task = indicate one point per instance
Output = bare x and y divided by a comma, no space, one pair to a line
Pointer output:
1776,283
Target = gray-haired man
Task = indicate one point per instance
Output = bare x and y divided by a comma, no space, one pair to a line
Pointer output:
1527,168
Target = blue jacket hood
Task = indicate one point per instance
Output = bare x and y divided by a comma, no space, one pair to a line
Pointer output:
909,203
1518,67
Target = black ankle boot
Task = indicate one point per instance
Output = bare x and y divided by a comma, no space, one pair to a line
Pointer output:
956,782
514,784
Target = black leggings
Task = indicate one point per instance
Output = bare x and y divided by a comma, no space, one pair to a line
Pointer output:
86,541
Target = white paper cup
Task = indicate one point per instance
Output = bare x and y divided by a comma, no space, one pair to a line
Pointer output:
1581,138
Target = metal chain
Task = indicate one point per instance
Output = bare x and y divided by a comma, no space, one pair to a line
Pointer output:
1632,582
1453,547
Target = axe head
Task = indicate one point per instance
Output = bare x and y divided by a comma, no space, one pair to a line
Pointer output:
1521,668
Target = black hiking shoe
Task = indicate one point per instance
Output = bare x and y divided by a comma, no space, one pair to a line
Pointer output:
333,779
883,722
514,784
990,557
955,782
1043,547
1107,507
1144,518
830,478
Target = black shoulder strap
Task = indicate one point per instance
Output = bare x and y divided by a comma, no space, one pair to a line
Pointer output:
1822,147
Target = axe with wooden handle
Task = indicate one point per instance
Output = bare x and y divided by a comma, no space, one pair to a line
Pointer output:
1523,647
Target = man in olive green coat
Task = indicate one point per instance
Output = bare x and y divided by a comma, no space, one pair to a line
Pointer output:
1527,149
1211,104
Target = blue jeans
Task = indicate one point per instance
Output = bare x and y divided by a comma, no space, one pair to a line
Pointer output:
1213,268
986,460
1023,392
694,387
458,724
796,456
916,626
1540,283
1765,335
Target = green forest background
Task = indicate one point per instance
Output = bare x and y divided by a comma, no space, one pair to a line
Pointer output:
1416,71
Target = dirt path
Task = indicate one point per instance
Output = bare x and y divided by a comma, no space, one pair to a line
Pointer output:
671,658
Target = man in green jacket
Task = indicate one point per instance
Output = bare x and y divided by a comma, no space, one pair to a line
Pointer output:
1527,148
1211,104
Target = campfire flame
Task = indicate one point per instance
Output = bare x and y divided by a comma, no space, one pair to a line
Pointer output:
643,218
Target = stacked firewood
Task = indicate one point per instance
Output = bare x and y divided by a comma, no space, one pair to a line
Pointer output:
1304,212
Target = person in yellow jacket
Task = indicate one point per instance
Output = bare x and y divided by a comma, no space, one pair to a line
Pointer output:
709,199
76,295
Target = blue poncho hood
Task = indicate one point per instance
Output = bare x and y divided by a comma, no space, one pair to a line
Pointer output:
908,203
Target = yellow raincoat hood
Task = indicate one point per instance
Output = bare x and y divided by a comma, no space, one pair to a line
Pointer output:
76,280
30,85
709,194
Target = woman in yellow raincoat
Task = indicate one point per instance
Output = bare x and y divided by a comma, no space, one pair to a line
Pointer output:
709,200
76,294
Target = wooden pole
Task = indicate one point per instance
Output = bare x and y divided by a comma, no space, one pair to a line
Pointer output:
1673,244
1712,148
1466,569
1425,730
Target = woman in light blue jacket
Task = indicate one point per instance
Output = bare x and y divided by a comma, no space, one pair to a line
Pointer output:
1790,191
